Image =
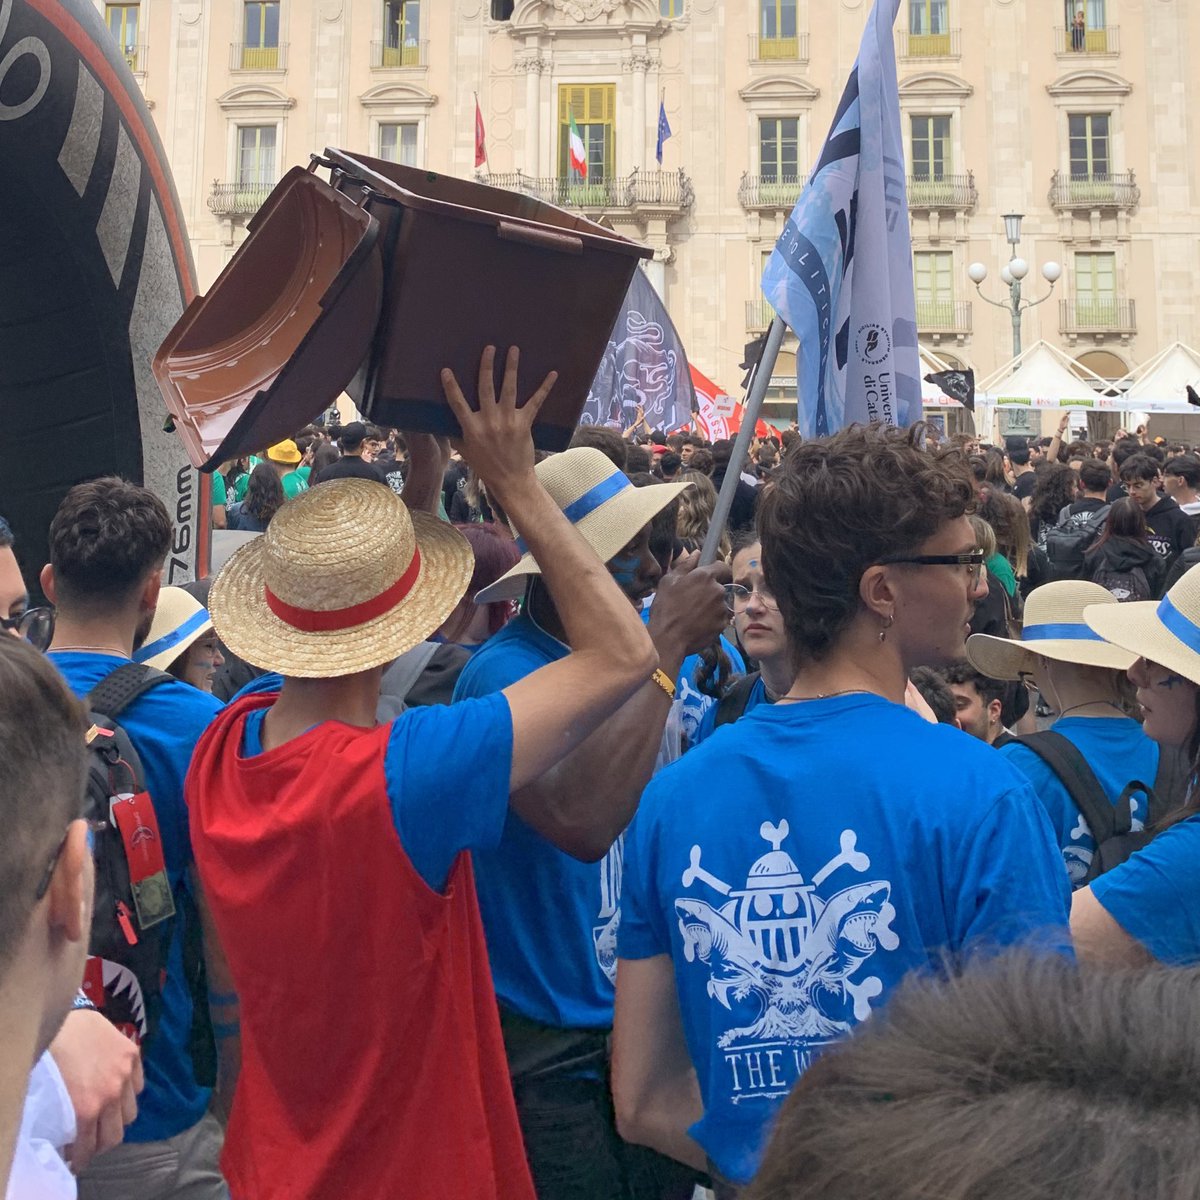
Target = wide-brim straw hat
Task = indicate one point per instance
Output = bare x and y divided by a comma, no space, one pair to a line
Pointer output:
1054,628
179,620
343,580
599,499
1166,631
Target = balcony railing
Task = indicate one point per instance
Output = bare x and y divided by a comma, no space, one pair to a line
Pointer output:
929,45
1112,190
257,58
135,58
238,199
779,49
411,54
944,316
759,314
955,193
758,192
1097,316
670,190
1106,40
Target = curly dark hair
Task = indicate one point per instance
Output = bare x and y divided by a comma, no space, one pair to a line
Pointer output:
264,493
840,504
105,539
1056,487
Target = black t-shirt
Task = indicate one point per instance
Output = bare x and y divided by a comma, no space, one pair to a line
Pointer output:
1024,485
350,466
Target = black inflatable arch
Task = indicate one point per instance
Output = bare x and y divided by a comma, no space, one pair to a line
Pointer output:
95,269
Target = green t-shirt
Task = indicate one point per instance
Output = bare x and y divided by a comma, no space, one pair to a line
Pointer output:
293,484
218,490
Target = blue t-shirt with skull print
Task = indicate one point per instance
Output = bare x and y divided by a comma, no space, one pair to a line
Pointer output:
798,863
1117,751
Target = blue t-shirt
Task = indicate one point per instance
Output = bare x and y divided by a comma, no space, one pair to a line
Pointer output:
439,761
164,726
708,723
798,863
1117,751
550,920
1155,894
696,704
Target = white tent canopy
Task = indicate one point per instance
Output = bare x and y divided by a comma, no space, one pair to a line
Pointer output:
1045,377
1160,385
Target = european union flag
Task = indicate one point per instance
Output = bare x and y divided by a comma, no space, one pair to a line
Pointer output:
664,130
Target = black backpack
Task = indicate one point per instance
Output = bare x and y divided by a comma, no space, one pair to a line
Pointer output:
735,698
132,919
1111,825
1127,586
1070,540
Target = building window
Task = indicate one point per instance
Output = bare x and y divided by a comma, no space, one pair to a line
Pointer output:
1096,290
930,148
402,33
778,149
933,273
122,21
398,142
928,28
255,163
594,109
670,8
260,40
1086,22
1089,146
778,36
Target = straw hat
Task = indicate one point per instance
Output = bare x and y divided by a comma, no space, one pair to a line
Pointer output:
598,498
1054,628
344,579
179,620
1166,631
285,452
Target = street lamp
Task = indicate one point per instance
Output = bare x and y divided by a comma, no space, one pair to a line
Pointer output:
1011,274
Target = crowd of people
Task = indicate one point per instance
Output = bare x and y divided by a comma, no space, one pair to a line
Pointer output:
466,837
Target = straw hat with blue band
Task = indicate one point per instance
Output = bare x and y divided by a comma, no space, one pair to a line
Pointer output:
1054,628
1166,632
179,620
599,500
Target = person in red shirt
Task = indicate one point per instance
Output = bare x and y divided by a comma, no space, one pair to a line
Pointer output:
334,852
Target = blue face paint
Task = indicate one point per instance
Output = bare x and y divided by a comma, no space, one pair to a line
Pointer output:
624,569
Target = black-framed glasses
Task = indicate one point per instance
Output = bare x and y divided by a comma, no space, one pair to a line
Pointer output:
35,625
973,560
737,597
94,827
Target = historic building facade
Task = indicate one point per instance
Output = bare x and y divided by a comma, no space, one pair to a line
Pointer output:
1086,125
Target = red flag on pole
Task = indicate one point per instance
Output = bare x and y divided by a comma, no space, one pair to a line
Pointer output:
719,415
480,136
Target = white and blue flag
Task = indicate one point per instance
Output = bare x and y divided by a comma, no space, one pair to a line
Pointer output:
841,274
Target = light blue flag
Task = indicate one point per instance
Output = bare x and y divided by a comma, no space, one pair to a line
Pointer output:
841,274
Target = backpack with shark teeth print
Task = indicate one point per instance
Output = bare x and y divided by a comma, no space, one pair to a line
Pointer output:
134,906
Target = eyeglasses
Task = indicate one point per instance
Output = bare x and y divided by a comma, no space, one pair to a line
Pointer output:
94,827
737,598
973,560
35,625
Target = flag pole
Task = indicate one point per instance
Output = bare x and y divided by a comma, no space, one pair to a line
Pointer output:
755,396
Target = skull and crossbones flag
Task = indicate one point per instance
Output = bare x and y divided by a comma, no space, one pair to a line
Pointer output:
958,385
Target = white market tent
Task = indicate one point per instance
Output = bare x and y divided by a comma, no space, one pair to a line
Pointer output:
1045,377
1160,385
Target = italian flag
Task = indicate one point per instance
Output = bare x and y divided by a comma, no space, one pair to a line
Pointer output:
576,150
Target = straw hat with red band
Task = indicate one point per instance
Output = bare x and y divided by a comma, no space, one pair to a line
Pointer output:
344,579
599,499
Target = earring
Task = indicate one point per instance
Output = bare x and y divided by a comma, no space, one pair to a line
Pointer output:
883,632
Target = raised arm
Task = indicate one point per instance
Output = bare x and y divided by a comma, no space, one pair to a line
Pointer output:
555,708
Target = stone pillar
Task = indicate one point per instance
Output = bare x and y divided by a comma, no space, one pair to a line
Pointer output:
639,63
533,63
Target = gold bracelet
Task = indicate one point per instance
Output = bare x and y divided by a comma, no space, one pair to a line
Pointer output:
664,681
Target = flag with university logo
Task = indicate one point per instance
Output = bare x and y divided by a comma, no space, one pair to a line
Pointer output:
841,273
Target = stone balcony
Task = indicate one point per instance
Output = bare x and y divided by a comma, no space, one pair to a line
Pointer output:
758,193
928,45
388,58
1115,191
231,200
257,58
666,194
942,319
1097,319
947,193
1097,43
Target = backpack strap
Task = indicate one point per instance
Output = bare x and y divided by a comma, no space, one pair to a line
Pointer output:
1062,756
737,695
120,688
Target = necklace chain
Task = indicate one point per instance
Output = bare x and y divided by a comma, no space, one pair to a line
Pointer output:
828,695
93,650
1088,704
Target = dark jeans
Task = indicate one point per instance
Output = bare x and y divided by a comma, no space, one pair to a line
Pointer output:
565,1108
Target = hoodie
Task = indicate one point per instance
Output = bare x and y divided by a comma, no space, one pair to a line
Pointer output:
1120,554
1172,531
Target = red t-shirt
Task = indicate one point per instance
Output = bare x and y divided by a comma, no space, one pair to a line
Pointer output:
372,1062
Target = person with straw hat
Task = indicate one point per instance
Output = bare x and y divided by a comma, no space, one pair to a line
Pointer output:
554,978
181,640
1148,907
334,852
1079,675
285,457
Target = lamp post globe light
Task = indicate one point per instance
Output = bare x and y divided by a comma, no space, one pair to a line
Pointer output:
1011,275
